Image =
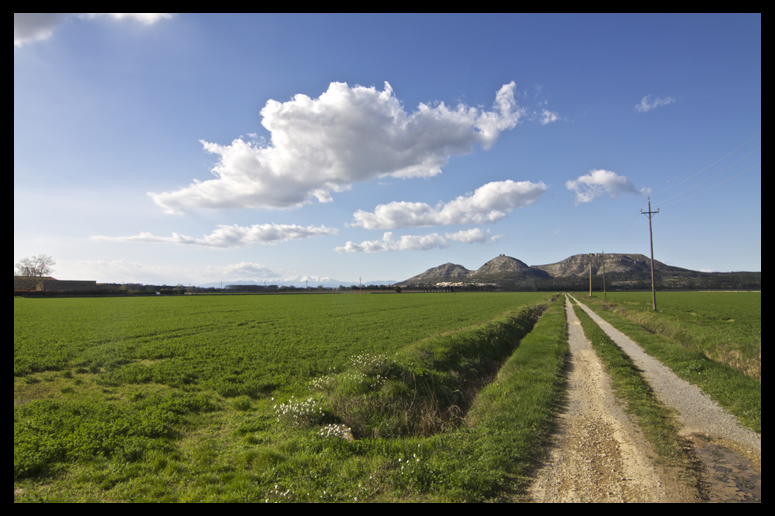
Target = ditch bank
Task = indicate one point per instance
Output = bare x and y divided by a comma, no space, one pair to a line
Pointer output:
427,387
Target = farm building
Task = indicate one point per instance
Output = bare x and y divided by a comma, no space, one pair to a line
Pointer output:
49,284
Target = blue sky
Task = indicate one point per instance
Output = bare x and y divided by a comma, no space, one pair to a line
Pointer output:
199,148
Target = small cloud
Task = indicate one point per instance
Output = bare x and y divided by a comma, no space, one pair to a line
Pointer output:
418,242
547,117
389,243
600,182
473,236
146,18
121,271
29,27
233,236
489,203
646,104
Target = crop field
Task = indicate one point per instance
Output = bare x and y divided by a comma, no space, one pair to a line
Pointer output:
281,398
726,326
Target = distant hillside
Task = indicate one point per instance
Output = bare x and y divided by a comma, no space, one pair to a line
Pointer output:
446,272
504,269
621,271
578,264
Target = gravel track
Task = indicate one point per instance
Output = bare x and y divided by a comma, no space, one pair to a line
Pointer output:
697,412
597,454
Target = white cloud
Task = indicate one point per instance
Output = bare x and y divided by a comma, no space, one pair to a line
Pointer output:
489,203
146,18
599,182
548,117
345,136
473,236
233,236
241,271
646,104
418,242
388,243
121,271
28,27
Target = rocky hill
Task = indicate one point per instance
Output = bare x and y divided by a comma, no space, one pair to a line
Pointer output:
505,268
442,273
572,273
578,264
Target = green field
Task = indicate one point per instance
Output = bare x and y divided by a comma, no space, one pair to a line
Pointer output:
241,398
725,326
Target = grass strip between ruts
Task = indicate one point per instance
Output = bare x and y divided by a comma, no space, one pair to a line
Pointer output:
657,421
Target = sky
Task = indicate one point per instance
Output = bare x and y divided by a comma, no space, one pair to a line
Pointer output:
191,149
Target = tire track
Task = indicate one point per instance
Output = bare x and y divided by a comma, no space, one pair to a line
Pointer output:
697,411
597,454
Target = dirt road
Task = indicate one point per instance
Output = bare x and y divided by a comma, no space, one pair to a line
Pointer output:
698,413
730,453
598,454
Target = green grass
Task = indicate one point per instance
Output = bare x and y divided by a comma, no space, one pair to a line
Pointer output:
724,326
736,391
233,345
88,426
658,422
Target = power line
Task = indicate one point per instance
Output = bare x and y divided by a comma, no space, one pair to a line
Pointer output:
714,186
628,227
706,168
698,184
714,175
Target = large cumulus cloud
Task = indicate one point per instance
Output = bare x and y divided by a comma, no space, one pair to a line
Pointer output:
345,136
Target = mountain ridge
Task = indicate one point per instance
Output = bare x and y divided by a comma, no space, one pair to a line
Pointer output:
622,270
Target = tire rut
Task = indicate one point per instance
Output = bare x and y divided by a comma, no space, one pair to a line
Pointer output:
729,453
598,454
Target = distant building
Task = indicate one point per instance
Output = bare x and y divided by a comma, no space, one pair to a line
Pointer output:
49,284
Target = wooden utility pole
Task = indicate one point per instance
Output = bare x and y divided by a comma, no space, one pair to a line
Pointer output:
590,274
604,296
650,214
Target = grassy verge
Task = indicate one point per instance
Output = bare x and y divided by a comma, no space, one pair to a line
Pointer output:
425,388
512,417
657,421
164,444
725,326
730,388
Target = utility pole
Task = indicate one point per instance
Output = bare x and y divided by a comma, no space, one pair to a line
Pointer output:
650,214
604,296
360,287
590,274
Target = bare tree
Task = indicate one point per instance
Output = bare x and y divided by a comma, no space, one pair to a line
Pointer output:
29,272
